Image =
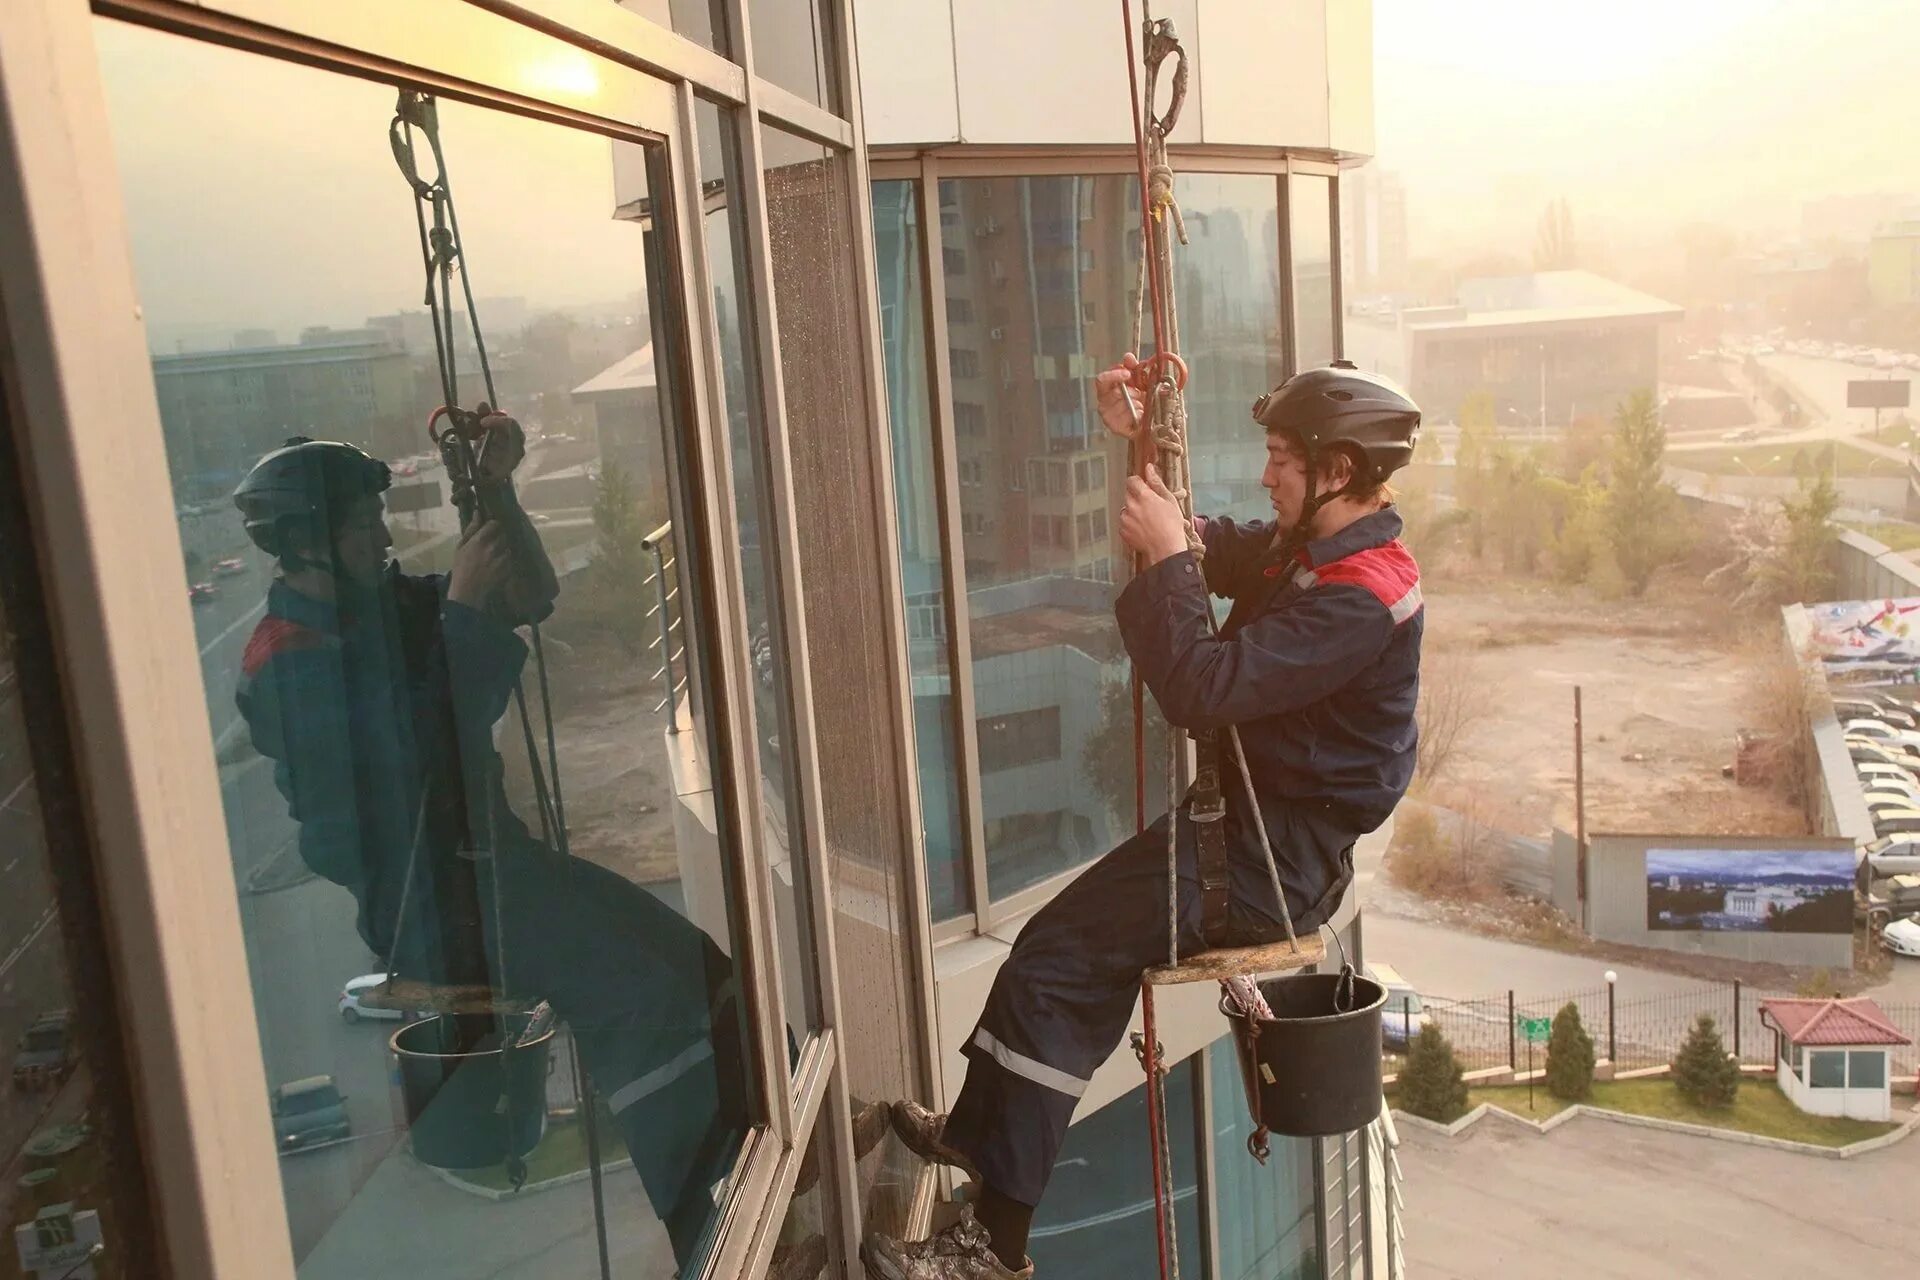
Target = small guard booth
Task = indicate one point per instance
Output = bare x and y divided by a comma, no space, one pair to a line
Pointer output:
1833,1056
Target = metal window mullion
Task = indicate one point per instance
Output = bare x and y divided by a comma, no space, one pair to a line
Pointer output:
900,674
1289,329
1203,1119
158,832
740,762
389,55
1337,269
811,853
946,453
782,107
623,35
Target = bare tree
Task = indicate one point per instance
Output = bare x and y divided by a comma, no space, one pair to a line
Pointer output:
1454,696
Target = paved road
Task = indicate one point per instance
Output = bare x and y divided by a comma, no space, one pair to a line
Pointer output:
1599,1200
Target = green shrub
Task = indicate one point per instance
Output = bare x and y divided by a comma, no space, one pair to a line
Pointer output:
1431,1084
1569,1057
1702,1071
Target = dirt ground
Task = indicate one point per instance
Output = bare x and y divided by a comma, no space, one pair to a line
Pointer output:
1662,698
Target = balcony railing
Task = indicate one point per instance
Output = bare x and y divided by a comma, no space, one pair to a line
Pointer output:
669,642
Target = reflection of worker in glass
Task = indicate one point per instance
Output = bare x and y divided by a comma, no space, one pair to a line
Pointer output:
375,693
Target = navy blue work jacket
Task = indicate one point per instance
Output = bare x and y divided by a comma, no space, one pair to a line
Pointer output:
1321,672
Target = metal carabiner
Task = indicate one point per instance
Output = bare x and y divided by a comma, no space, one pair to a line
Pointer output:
1161,41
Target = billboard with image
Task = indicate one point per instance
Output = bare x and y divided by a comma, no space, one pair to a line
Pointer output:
1750,890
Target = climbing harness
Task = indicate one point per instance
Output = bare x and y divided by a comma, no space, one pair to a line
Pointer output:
479,455
1161,436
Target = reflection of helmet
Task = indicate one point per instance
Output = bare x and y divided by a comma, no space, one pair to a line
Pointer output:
306,488
1340,405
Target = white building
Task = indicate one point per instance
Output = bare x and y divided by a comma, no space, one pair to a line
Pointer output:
1834,1055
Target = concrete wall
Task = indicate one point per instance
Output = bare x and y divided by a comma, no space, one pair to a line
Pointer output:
1617,906
1263,73
1865,570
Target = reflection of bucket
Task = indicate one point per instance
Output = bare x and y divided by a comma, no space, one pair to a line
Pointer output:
1314,1071
452,1084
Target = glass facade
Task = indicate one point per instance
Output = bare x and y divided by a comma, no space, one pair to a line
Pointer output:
1042,268
1266,1212
541,917
830,432
1097,1221
916,481
67,1131
490,917
1039,276
1310,219
792,47
727,247
702,21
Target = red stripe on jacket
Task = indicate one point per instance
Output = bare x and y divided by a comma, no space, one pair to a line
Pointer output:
276,636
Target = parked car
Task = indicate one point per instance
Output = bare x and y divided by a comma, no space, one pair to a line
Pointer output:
1889,822
1889,711
1882,731
1889,801
1902,937
1868,749
229,567
44,1054
309,1111
203,593
1405,1013
351,1010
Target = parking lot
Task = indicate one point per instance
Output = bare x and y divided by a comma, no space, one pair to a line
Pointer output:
1597,1199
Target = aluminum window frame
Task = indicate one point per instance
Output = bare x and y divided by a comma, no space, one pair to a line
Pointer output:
166,884
926,168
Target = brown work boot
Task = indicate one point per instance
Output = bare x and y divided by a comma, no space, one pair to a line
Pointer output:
803,1261
925,1133
962,1252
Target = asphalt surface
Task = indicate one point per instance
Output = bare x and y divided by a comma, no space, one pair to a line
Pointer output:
1601,1200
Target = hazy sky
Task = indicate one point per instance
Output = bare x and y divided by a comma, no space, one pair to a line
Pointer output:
1644,114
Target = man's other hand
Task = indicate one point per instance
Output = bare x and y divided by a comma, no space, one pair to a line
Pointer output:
1118,402
1151,522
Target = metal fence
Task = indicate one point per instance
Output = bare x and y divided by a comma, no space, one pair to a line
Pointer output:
1646,1031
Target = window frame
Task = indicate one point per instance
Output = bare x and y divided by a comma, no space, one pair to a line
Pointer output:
928,169
172,919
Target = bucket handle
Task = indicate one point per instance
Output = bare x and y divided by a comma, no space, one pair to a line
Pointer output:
1343,997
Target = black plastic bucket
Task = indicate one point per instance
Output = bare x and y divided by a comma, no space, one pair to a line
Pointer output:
1314,1071
453,1082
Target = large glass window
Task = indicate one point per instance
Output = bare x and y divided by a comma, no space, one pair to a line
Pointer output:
1097,1220
1310,219
67,1137
916,482
1866,1069
702,21
830,430
1827,1069
463,731
1047,268
1266,1212
1227,283
1040,598
792,46
727,249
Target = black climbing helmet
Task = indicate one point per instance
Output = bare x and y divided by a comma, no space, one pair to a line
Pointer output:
1340,405
305,486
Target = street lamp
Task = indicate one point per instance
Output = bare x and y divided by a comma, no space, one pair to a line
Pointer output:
1612,1054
